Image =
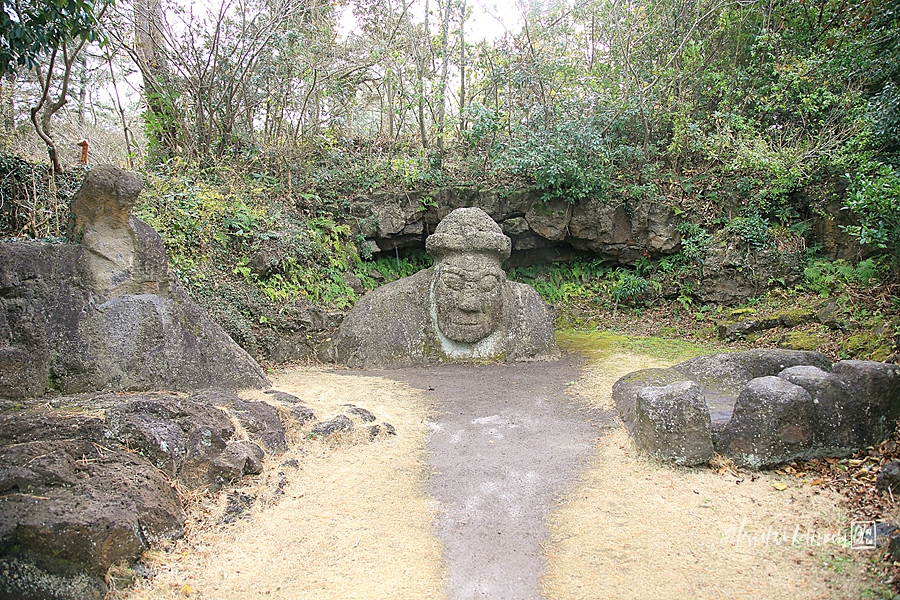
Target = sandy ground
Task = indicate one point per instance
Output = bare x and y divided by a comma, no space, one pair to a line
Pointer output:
353,520
631,528
373,520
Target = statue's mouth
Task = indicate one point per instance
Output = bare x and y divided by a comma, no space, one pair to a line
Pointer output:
469,321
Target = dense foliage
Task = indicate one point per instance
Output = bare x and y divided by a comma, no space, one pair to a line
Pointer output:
262,119
30,29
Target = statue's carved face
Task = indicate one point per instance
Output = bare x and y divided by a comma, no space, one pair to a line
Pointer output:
467,296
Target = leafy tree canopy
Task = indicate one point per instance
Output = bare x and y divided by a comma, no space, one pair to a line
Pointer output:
29,28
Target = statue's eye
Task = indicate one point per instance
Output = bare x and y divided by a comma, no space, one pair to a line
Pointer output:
454,282
487,283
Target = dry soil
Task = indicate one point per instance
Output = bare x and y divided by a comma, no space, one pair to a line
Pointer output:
507,482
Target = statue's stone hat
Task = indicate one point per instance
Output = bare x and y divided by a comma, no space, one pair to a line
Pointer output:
468,230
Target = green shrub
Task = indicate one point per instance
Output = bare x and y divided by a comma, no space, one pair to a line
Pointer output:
630,288
569,162
754,231
875,198
694,241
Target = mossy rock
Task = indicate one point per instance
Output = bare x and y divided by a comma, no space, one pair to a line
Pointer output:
868,345
708,333
799,340
794,317
739,314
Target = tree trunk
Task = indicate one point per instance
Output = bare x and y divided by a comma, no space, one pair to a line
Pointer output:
420,77
462,68
151,54
389,104
445,62
82,86
7,101
48,106
125,130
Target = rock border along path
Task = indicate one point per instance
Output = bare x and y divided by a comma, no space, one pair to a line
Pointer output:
505,443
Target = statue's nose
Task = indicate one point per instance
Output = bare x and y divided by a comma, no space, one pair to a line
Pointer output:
468,301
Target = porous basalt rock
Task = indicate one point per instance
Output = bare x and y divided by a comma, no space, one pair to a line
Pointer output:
463,308
875,387
672,422
59,503
74,504
296,407
338,424
773,420
107,312
626,389
612,228
29,577
733,272
353,419
193,438
88,482
608,228
765,406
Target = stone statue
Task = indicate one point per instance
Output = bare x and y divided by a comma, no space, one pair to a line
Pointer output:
463,308
107,313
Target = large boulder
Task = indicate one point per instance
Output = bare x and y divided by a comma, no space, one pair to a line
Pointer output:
841,420
107,313
463,308
876,388
774,421
72,505
94,484
625,391
765,406
672,423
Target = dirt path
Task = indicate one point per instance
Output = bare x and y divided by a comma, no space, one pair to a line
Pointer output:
503,482
505,441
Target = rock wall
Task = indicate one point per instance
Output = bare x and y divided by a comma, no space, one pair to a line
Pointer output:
614,231
107,313
544,230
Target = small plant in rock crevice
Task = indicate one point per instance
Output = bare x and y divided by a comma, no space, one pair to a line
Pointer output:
752,231
694,241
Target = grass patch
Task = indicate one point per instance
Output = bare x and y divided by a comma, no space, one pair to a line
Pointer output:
602,344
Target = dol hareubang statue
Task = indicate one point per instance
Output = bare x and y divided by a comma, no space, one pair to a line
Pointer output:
462,308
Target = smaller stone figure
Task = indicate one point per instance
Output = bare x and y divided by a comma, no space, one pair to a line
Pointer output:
463,308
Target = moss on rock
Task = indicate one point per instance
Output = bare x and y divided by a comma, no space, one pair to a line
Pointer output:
799,340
